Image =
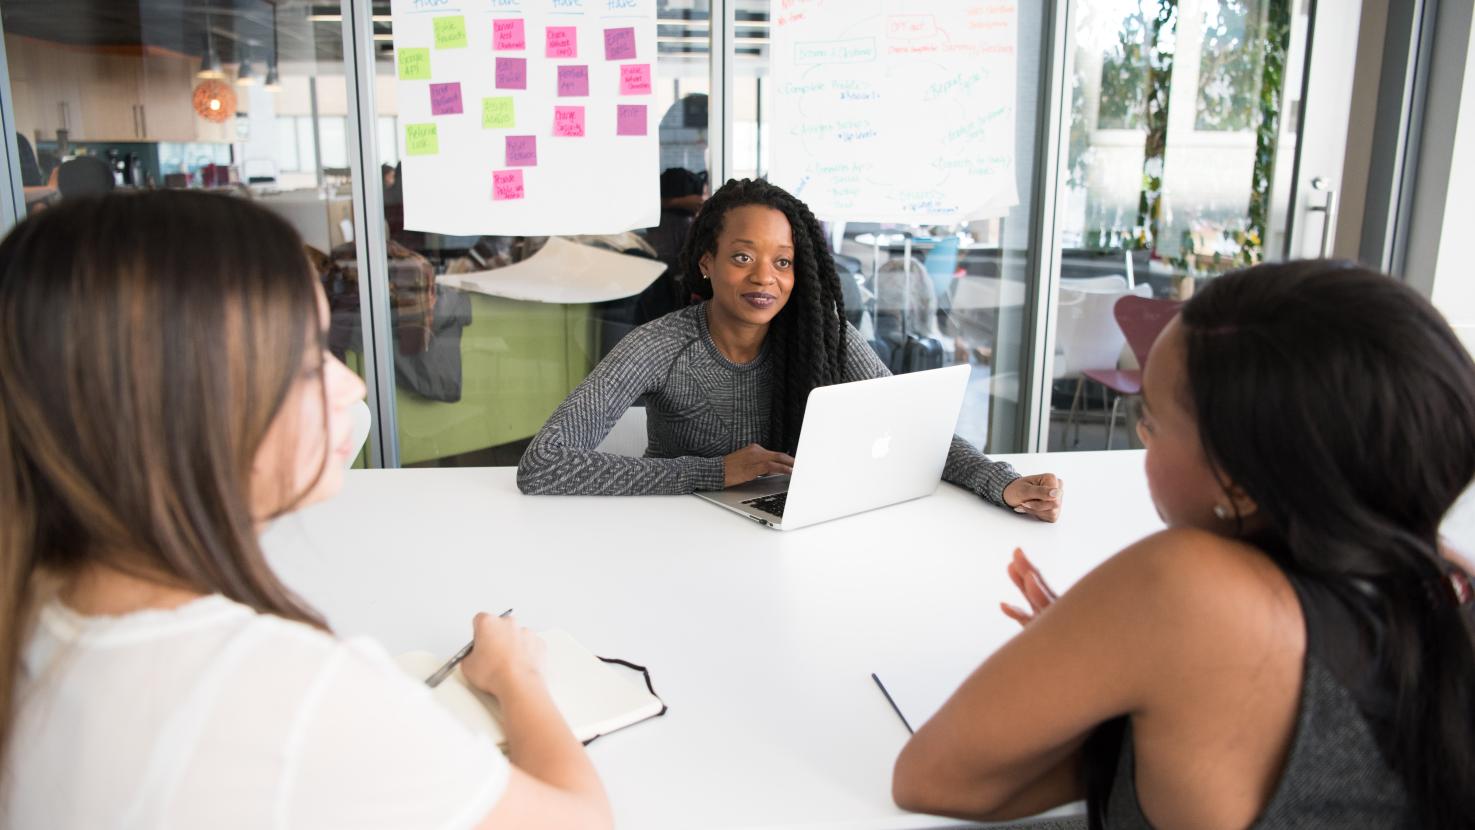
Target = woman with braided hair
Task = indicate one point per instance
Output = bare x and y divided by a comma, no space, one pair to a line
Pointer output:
725,381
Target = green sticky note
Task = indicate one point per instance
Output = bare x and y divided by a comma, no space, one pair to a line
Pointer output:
450,32
421,140
414,64
496,113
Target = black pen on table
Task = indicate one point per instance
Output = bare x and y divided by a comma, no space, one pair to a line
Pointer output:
445,671
892,701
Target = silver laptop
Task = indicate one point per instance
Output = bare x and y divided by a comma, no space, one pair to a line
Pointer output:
865,445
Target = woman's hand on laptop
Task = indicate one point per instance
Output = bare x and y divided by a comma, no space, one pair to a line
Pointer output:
1040,496
752,461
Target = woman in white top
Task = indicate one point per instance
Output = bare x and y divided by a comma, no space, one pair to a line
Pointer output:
165,390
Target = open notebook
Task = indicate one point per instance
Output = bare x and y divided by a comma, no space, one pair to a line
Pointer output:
594,697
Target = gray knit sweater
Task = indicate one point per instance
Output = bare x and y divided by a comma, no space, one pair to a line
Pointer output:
700,406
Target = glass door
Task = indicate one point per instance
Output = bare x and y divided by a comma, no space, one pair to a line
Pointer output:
1203,136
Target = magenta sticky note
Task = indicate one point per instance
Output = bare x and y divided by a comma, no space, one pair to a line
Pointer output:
635,79
508,34
562,41
573,81
445,99
506,184
522,151
630,119
619,44
568,122
512,73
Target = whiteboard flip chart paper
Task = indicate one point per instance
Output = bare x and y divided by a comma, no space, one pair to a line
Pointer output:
896,110
527,117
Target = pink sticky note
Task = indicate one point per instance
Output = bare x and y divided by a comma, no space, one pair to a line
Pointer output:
630,119
445,99
568,122
512,73
573,81
508,34
619,44
522,151
506,184
562,41
635,79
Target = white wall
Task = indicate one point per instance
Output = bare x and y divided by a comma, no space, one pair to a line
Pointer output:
1451,286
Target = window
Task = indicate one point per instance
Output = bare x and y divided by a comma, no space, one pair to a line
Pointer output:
1174,122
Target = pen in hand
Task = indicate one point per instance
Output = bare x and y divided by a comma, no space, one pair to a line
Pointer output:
445,671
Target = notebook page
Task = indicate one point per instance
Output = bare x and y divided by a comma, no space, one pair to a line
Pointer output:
594,697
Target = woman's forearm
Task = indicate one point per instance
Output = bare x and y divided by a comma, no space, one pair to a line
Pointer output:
540,744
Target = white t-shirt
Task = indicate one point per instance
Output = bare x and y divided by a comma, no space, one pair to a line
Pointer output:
212,715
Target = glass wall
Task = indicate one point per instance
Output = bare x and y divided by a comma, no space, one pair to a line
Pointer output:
476,374
247,98
1181,135
958,287
1178,123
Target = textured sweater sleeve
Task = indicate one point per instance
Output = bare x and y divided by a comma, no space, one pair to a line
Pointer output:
966,466
561,460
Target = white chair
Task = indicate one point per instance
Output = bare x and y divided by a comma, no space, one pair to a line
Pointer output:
904,290
363,422
627,437
1088,337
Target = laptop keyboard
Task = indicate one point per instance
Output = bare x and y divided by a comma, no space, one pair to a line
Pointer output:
773,504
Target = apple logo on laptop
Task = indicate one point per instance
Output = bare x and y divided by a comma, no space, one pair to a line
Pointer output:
882,447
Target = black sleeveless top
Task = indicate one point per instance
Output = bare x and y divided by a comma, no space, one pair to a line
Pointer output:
1336,773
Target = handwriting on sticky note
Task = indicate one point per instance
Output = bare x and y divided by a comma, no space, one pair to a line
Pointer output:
508,34
630,119
512,73
619,44
421,140
497,113
522,151
562,41
414,64
450,32
506,184
568,122
445,99
635,79
573,81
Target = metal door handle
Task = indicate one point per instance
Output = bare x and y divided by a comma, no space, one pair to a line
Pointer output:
1319,184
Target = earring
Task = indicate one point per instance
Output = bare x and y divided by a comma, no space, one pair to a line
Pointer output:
1221,512
704,276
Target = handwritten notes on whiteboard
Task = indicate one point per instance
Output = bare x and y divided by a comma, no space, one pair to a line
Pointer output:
527,117
887,112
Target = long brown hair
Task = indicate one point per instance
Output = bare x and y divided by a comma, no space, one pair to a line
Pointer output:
147,342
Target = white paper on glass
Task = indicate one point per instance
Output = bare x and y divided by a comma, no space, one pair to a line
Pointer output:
564,272
597,183
891,111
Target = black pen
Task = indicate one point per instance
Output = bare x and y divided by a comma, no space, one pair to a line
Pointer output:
890,700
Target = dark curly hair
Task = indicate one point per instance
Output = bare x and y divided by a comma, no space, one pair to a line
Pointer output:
806,340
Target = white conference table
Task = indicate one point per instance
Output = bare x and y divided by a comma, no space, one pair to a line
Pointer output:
761,642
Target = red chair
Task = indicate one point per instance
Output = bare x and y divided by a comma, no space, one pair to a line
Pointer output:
1141,320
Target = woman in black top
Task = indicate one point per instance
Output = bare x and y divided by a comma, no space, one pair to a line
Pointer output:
1296,649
